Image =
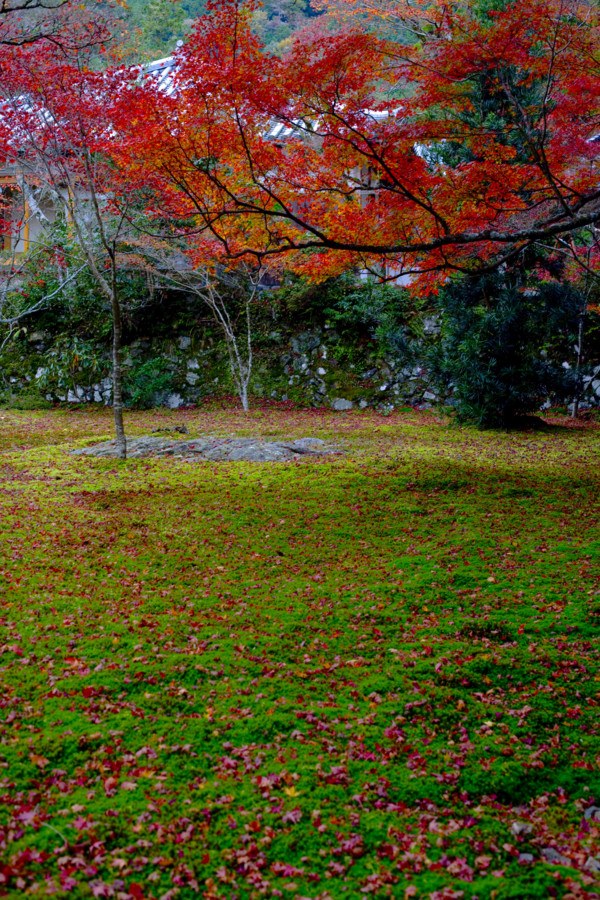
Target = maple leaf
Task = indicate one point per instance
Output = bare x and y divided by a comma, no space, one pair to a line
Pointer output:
38,760
293,816
291,791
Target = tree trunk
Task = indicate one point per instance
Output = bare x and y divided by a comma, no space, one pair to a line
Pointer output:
243,392
575,404
110,289
117,371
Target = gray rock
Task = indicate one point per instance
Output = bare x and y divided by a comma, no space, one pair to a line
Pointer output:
184,342
592,864
213,449
431,325
429,396
340,404
255,453
524,828
305,342
321,371
592,812
553,856
307,443
526,858
174,401
177,429
193,364
192,378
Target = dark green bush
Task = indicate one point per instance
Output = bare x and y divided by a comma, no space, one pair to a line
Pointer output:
500,347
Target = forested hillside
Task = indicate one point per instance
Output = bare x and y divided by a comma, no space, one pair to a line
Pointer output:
158,24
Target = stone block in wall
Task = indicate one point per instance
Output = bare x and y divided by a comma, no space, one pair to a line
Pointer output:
305,342
340,404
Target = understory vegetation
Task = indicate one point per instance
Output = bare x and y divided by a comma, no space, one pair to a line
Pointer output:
373,673
489,349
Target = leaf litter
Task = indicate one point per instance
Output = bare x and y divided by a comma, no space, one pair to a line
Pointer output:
376,673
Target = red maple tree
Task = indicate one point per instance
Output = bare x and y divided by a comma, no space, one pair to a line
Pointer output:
451,152
57,136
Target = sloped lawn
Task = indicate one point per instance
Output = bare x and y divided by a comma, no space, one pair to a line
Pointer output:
374,673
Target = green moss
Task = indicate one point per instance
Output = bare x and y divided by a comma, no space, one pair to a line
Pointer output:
364,667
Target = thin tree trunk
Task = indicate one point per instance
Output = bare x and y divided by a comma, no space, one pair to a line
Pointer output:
248,368
111,292
117,369
244,397
575,405
240,369
580,333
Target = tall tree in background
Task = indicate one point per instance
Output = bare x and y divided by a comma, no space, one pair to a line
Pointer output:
452,153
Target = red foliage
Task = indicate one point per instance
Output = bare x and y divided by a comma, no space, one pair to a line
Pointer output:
359,173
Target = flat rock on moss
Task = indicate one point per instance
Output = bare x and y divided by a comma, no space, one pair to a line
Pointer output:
214,449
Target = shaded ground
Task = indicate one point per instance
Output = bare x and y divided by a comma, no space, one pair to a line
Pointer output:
374,673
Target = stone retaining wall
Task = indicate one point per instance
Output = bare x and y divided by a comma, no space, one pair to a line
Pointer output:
311,367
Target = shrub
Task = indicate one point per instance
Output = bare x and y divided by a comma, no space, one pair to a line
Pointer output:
500,347
71,363
146,385
26,400
358,311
